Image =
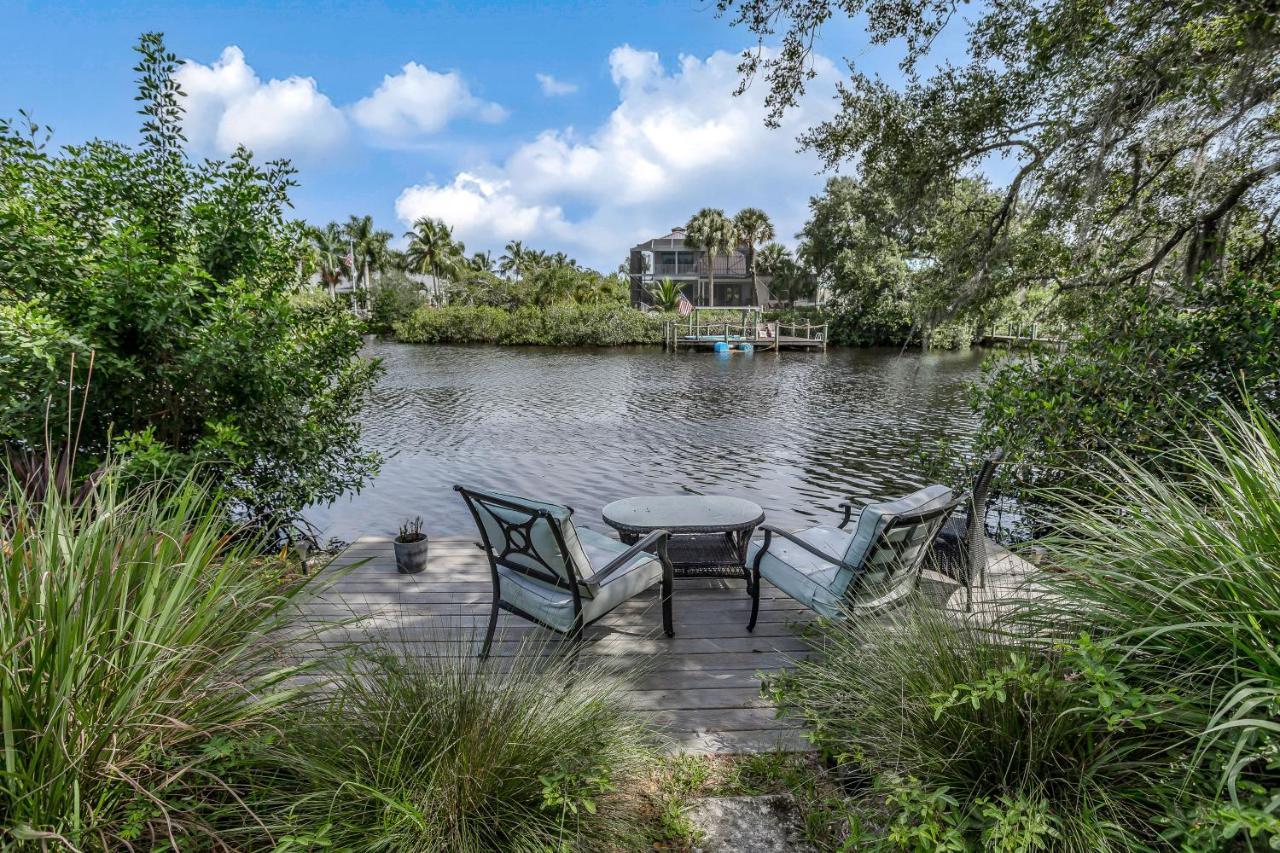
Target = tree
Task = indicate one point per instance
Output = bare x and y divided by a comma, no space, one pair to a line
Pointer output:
328,249
432,250
1146,136
177,281
892,274
368,245
753,227
665,295
514,259
714,233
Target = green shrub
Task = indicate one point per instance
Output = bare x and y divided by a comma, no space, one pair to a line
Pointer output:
144,652
977,743
1135,383
451,753
1183,580
177,278
564,324
394,295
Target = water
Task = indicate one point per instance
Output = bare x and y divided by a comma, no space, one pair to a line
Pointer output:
795,432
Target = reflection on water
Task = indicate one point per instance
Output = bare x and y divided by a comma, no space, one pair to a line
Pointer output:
795,432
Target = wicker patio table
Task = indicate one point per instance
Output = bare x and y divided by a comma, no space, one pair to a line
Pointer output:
709,533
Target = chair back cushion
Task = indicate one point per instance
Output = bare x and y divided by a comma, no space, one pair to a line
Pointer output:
883,551
535,538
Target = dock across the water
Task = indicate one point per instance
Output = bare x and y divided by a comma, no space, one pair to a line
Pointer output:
751,333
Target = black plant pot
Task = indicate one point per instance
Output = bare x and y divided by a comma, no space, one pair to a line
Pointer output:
411,557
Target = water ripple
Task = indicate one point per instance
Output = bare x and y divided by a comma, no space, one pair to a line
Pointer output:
797,432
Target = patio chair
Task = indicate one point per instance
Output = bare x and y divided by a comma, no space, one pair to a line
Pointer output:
556,575
836,573
960,551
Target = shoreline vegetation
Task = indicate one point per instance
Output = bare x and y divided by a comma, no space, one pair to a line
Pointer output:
571,324
178,378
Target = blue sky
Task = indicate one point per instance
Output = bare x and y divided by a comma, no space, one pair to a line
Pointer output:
580,127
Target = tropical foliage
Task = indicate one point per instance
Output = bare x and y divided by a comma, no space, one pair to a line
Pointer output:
1134,383
1153,729
172,281
715,234
1146,138
123,724
563,324
445,753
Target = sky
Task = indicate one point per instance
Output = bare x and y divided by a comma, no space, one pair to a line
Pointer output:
575,127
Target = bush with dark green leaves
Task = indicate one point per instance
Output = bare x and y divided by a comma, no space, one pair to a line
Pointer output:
1136,382
174,278
562,324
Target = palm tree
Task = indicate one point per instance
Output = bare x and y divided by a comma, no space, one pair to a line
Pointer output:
481,262
432,250
666,295
329,249
514,260
368,245
776,262
712,232
753,227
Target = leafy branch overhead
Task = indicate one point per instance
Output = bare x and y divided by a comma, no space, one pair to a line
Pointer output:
1143,137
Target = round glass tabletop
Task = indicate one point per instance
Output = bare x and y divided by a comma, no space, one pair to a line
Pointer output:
682,513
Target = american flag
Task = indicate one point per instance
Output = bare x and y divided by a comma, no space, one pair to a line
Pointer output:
350,260
684,306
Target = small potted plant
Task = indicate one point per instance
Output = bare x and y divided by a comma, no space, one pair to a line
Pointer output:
411,547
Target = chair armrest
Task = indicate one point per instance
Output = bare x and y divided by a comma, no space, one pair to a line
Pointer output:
847,507
770,530
658,537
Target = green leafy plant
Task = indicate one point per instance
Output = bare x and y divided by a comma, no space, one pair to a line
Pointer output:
1136,384
557,325
947,719
177,277
145,659
445,752
666,295
1181,578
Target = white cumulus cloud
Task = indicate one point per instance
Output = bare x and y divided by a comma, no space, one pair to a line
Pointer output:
228,105
551,87
678,140
418,101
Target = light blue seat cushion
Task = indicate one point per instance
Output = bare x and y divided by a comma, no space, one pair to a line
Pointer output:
874,517
553,605
884,575
806,577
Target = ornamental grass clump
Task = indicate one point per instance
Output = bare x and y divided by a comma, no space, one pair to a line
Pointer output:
972,742
1182,578
141,656
449,753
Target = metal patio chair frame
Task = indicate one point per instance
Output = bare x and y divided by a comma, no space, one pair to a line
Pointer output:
932,515
547,574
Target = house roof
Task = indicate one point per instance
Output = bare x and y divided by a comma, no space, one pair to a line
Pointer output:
672,241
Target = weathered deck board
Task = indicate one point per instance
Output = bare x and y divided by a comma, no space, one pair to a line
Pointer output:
701,687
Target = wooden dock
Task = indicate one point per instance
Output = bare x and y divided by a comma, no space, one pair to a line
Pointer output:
751,333
701,688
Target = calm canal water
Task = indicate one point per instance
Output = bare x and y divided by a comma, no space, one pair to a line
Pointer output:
794,432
